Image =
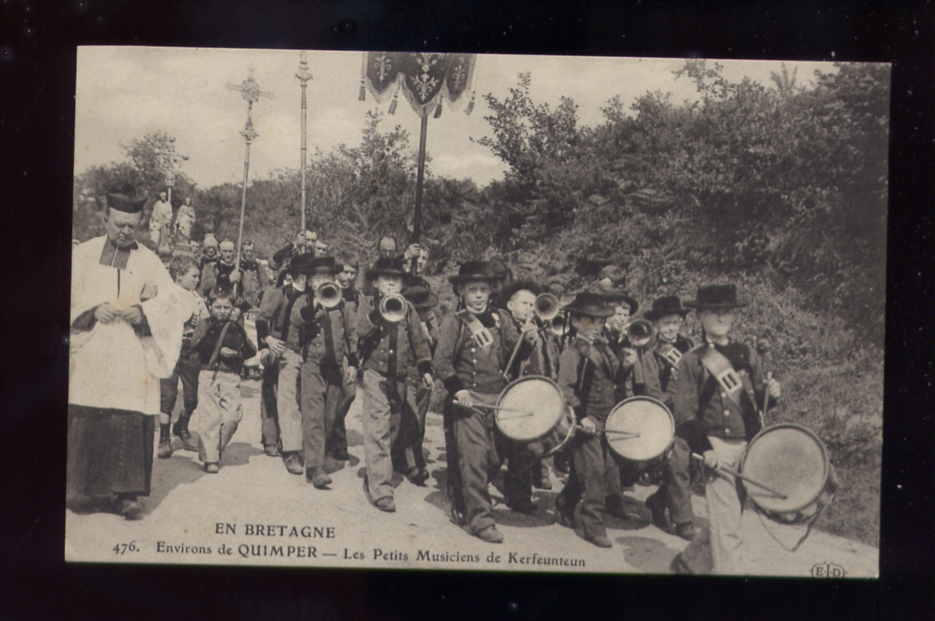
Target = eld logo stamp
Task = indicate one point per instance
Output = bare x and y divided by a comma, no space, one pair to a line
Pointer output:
827,570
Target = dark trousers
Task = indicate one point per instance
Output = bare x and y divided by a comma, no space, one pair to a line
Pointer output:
407,448
269,420
478,455
337,439
522,465
186,369
109,452
676,483
321,394
594,476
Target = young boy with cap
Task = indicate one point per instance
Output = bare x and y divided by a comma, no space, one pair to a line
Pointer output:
279,326
588,375
389,346
328,365
671,503
337,440
407,450
222,346
474,345
719,384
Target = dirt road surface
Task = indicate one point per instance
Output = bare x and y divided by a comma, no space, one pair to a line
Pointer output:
193,517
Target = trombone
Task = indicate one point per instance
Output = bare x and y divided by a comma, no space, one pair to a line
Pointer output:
546,308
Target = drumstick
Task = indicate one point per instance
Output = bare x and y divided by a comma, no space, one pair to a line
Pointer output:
734,473
628,434
501,408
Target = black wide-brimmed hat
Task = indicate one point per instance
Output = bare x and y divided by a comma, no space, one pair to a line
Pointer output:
519,285
716,297
590,304
123,202
301,264
666,305
615,293
322,265
418,291
387,266
472,270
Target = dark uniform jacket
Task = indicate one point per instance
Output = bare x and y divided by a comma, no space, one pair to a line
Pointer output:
329,337
702,408
253,282
542,359
390,349
642,379
280,318
666,371
205,339
588,374
461,364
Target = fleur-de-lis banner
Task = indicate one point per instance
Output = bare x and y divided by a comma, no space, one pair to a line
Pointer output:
425,79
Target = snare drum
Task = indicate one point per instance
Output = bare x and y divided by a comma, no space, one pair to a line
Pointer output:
640,429
794,461
532,410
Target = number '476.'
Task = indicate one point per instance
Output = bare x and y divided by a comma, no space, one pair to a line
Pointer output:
123,548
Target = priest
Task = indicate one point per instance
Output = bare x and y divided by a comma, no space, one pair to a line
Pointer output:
126,332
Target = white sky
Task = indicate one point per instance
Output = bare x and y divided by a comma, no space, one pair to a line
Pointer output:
125,92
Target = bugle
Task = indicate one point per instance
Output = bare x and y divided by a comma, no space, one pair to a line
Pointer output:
639,332
546,307
392,308
328,295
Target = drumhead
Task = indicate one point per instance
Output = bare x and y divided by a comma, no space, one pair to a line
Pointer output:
532,407
792,460
643,415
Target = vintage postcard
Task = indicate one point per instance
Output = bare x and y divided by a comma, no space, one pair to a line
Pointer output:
477,312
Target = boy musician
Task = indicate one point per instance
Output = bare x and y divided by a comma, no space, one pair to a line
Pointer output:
222,346
329,364
719,384
473,347
407,450
336,447
671,503
279,327
589,373
389,345
525,469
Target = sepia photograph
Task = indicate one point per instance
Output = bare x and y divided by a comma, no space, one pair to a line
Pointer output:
486,312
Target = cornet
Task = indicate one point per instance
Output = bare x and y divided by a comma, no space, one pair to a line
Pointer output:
392,308
328,295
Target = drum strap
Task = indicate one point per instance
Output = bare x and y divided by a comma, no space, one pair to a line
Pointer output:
721,369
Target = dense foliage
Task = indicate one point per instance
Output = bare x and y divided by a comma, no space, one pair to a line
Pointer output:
780,188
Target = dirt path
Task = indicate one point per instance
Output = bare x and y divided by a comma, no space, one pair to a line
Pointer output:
188,510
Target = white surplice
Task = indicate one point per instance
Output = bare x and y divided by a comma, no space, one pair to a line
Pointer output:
111,366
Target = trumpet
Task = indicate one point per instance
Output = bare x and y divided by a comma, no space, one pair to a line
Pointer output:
328,295
392,308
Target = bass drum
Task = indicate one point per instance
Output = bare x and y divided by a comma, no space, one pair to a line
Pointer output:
792,460
531,410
